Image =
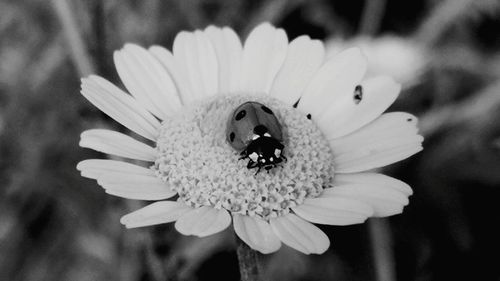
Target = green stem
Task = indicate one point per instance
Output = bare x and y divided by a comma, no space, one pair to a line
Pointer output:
381,242
445,14
72,32
248,260
371,19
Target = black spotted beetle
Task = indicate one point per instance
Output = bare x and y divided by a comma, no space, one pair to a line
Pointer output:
254,130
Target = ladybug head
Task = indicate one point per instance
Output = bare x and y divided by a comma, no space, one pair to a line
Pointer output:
264,152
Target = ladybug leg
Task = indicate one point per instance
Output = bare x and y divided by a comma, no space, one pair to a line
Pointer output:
243,154
258,170
268,168
251,164
283,156
280,165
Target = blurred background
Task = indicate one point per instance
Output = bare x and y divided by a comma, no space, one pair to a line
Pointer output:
56,225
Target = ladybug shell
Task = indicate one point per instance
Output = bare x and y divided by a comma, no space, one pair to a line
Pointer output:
249,120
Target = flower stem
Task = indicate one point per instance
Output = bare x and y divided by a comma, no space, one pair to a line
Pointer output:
72,32
381,241
371,19
248,260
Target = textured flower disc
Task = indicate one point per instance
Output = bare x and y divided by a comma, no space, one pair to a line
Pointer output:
197,162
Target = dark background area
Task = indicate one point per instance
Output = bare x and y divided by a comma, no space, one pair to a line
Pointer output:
56,225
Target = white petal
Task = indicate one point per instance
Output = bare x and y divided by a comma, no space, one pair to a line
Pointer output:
392,124
120,106
390,138
257,233
135,186
377,158
203,221
334,211
377,95
385,201
156,213
168,62
300,235
116,143
197,61
334,82
228,48
263,55
303,59
94,168
375,179
147,80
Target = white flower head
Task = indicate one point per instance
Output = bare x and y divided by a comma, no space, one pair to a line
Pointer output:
333,124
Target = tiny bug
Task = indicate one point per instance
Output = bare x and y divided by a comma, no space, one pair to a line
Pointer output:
254,130
358,94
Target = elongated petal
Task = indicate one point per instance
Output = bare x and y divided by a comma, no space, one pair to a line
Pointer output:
334,210
228,48
94,168
203,221
385,201
388,125
263,55
300,235
197,61
168,62
303,59
116,143
335,81
120,106
390,138
147,80
375,96
378,158
134,186
155,213
126,180
257,233
375,179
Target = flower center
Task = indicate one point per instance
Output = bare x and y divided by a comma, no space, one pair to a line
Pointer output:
195,160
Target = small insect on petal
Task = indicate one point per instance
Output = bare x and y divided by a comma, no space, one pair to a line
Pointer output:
358,94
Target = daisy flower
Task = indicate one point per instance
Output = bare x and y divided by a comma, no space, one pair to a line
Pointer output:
334,131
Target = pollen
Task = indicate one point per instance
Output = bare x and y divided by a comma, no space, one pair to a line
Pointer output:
195,160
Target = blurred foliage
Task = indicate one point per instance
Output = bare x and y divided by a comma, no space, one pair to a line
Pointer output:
55,225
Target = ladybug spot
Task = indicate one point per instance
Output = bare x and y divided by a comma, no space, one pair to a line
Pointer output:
358,94
260,130
309,116
232,136
240,115
267,110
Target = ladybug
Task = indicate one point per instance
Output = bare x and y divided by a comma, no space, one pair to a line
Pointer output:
254,130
